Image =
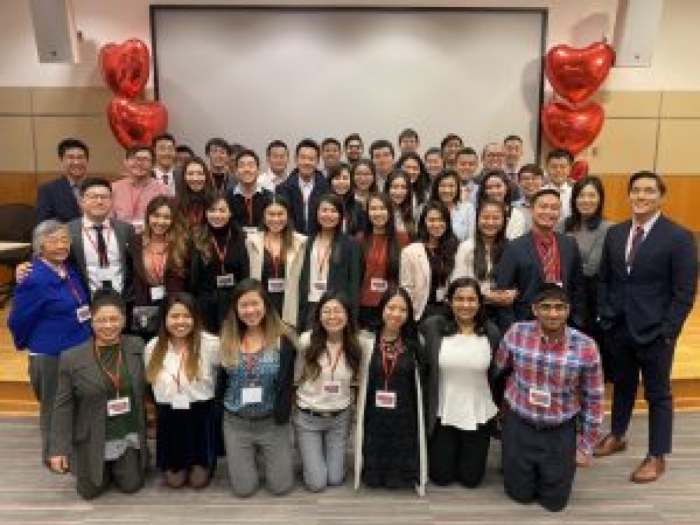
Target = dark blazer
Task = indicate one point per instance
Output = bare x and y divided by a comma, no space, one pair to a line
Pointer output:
292,192
433,330
56,200
656,296
344,273
239,212
172,281
125,235
520,268
78,422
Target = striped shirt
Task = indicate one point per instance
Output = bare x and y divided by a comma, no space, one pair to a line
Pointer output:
553,381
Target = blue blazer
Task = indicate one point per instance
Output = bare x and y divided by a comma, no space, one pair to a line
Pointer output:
56,200
520,268
43,317
292,192
655,297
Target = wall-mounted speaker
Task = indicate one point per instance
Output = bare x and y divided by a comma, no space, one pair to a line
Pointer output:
636,28
54,30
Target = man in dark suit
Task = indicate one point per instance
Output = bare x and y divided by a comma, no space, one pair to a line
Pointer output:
304,186
647,282
164,170
58,199
540,256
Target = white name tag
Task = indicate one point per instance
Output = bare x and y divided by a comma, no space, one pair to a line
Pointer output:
157,293
180,402
275,285
331,388
118,406
320,286
440,293
225,281
83,313
138,225
540,398
251,394
105,274
378,285
385,399
249,230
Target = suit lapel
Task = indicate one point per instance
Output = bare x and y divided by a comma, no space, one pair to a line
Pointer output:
78,249
534,255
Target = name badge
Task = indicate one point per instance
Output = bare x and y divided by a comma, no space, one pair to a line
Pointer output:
83,313
180,402
157,293
332,388
540,398
378,285
118,406
225,281
275,285
105,274
138,225
251,394
249,230
320,286
385,399
440,293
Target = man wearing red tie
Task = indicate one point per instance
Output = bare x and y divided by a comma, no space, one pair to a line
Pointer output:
647,282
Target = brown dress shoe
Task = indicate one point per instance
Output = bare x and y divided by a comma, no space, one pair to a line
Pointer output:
609,445
650,470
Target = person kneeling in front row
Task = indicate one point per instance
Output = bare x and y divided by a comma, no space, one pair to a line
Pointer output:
556,379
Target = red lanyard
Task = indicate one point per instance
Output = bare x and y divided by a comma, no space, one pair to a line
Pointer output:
389,362
248,202
334,363
115,377
250,357
176,378
379,255
94,241
322,257
221,253
158,265
73,289
276,259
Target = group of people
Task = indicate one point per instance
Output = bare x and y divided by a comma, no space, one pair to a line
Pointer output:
434,304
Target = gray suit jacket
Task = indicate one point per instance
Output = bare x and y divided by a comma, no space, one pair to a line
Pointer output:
80,409
125,235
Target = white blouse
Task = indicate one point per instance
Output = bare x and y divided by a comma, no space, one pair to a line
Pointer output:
464,395
173,371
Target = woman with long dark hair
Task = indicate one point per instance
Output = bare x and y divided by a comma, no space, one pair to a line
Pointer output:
411,164
219,262
194,191
276,254
400,191
354,217
447,190
426,265
332,261
460,404
181,366
328,364
495,186
390,432
364,179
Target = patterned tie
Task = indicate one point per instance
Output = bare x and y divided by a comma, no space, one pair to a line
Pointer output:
636,242
548,263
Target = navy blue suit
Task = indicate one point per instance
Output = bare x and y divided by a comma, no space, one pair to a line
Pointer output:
292,192
642,311
56,200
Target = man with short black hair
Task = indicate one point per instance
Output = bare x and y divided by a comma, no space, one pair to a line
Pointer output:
219,152
354,148
305,186
277,158
449,146
409,141
559,163
467,166
382,154
59,199
164,165
183,153
513,149
555,399
530,181
248,198
330,154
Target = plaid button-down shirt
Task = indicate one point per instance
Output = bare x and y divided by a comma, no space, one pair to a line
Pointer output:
569,370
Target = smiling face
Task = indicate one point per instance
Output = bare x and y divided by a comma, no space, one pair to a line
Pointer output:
328,216
330,153
74,163
342,182
558,169
646,199
333,317
412,169
587,201
383,160
307,160
55,246
546,211
251,309
165,154
435,224
218,159
467,165
107,323
465,304
247,170
160,220
275,218
179,321
434,164
448,190
377,213
398,190
96,202
491,221
353,151
495,189
219,214
195,177
278,159
551,314
363,178
395,314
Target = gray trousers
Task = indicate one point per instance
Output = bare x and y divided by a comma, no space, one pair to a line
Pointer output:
43,376
124,473
323,445
242,439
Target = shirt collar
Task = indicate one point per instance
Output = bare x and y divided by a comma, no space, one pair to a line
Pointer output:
237,189
647,225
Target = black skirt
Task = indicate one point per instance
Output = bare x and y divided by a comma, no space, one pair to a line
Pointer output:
185,438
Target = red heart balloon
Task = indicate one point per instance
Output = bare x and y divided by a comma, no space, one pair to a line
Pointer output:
125,67
579,170
136,123
572,128
577,73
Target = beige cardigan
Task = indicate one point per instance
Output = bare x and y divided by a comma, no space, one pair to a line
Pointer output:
293,263
415,276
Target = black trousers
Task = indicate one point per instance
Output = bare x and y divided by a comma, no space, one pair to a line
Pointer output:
539,464
456,455
654,361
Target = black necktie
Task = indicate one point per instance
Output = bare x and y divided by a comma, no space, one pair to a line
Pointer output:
636,242
102,257
166,179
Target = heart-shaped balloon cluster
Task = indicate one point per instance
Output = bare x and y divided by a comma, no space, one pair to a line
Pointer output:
575,74
125,68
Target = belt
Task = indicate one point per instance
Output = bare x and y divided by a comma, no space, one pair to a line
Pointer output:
541,425
324,414
251,417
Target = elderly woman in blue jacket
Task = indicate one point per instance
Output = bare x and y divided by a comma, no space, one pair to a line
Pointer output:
50,313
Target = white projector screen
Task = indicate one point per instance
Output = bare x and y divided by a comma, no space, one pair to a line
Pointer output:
251,74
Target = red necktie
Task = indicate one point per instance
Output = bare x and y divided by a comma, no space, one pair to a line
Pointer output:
636,242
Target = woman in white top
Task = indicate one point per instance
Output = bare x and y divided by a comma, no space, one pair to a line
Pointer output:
447,189
276,255
460,405
494,186
328,363
181,365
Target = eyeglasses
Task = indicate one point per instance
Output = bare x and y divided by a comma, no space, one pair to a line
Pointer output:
556,307
97,196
